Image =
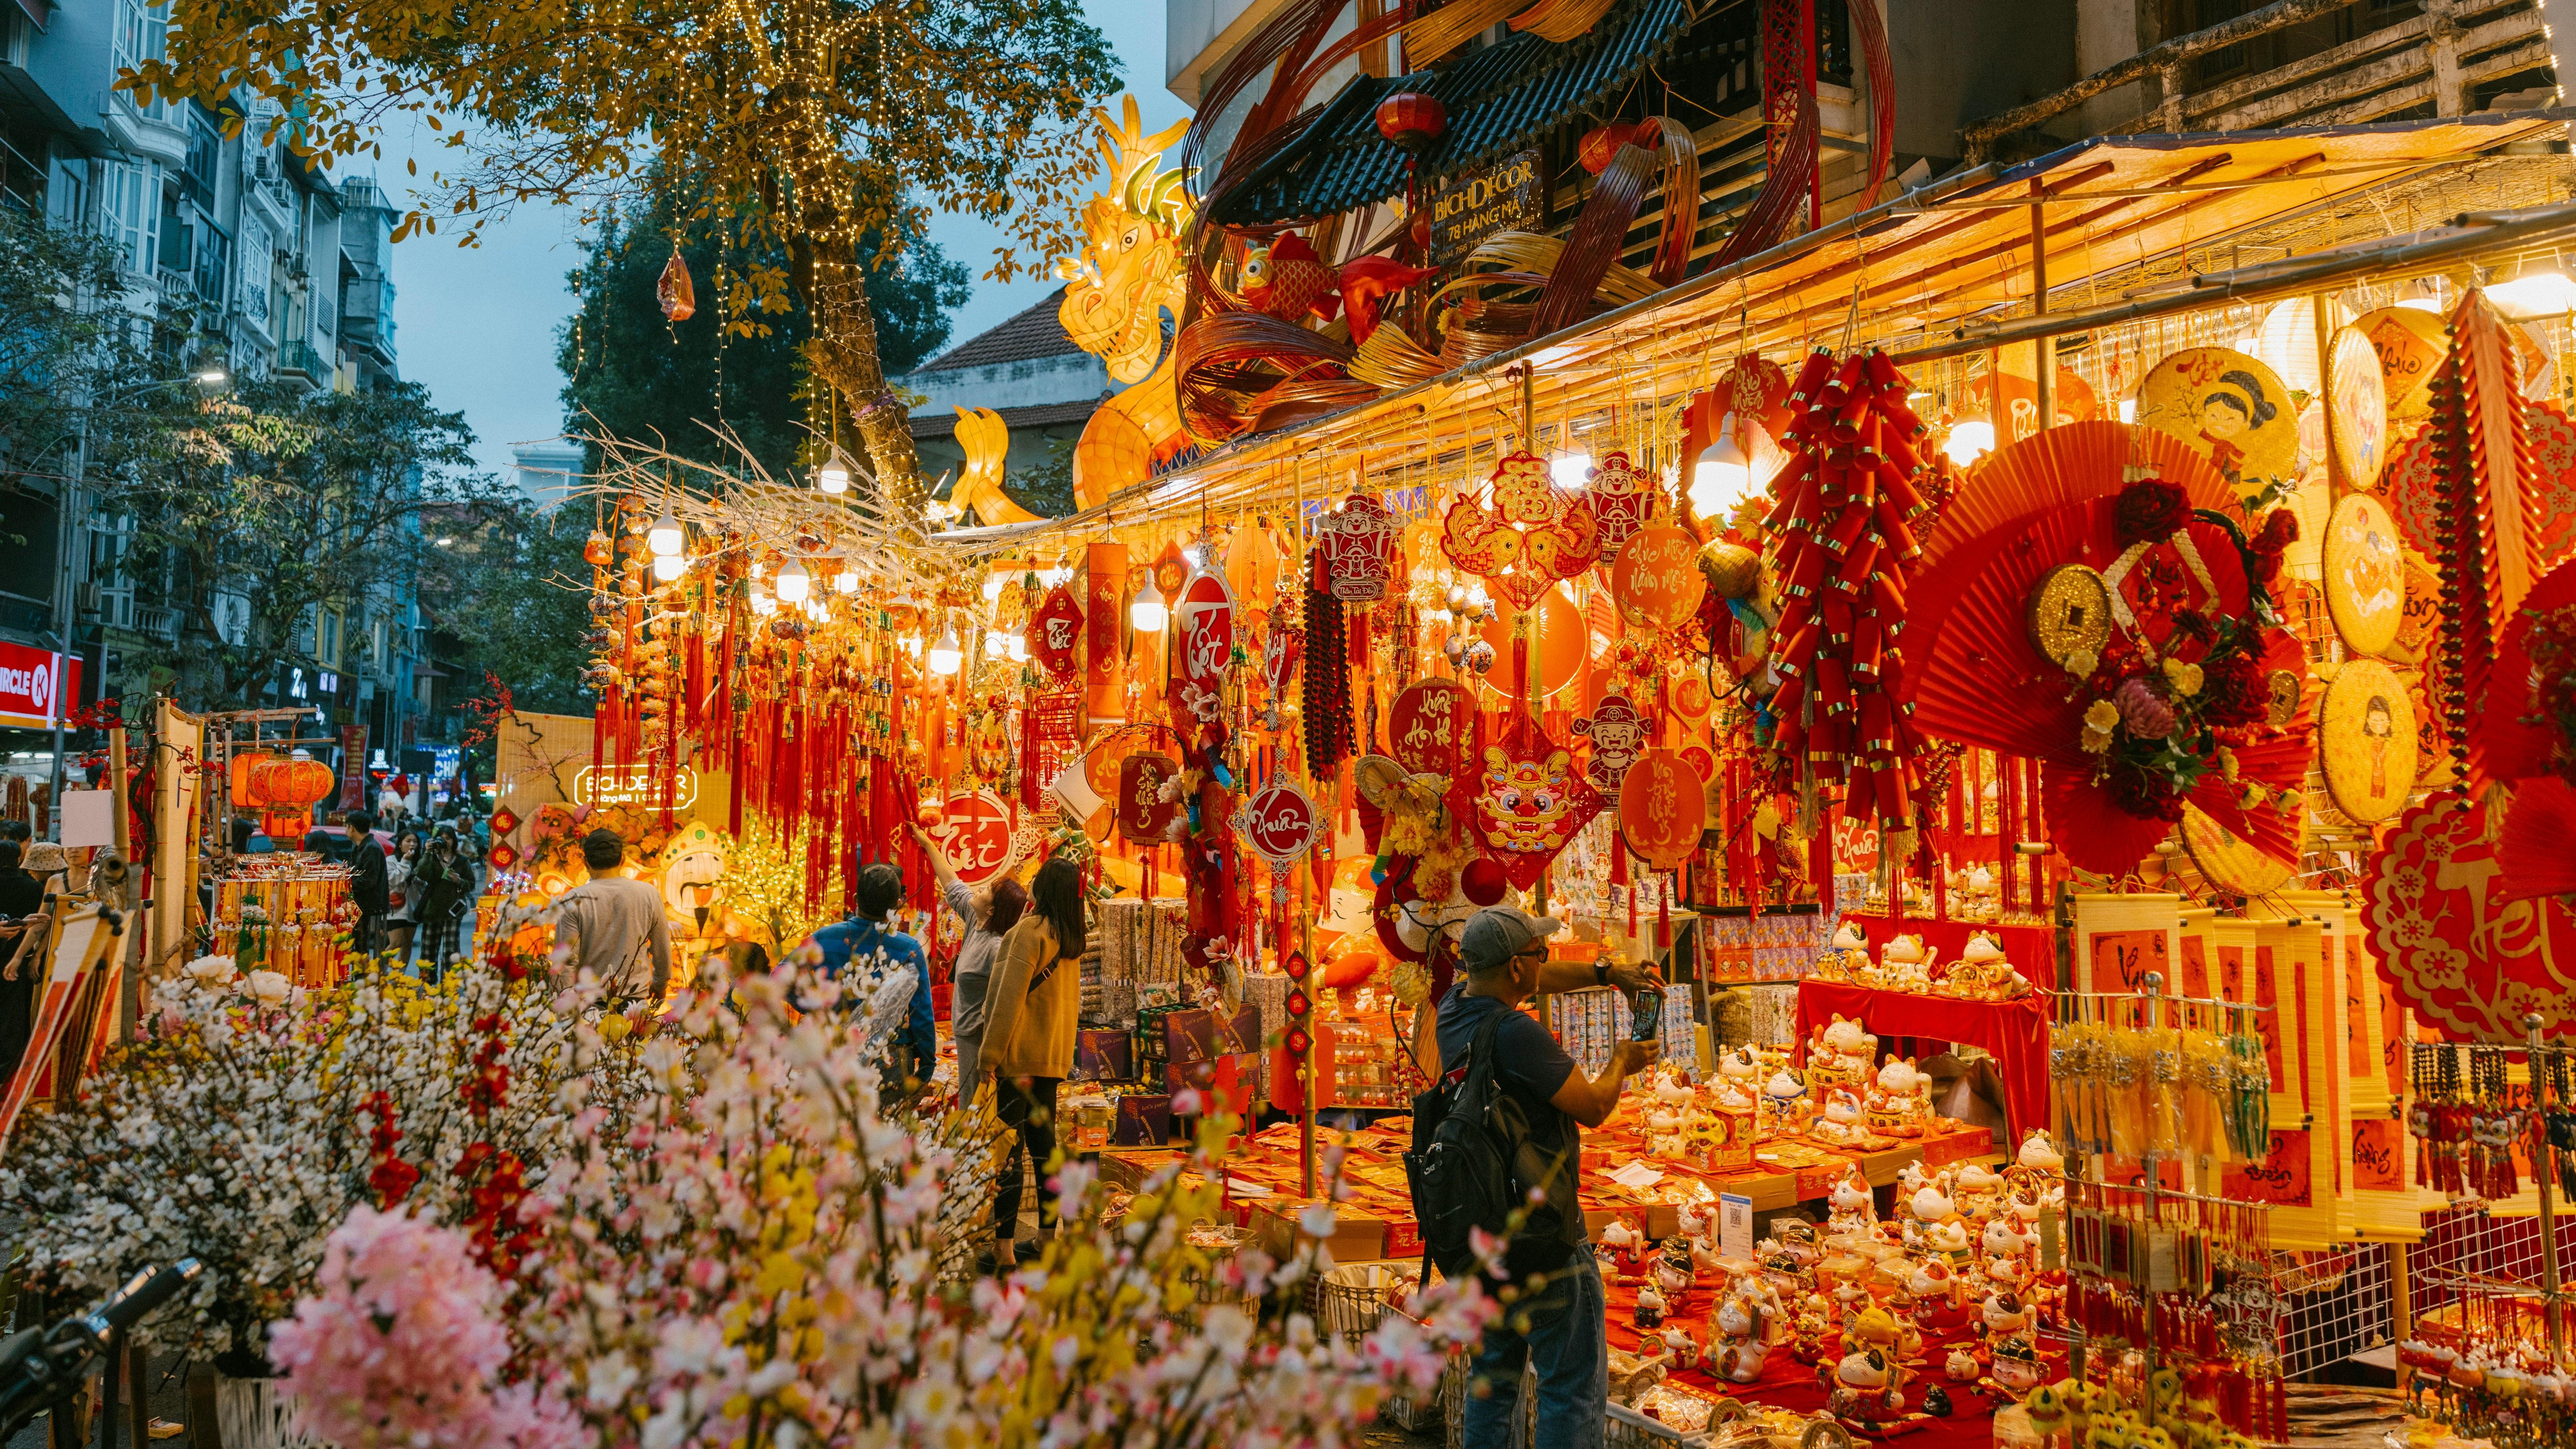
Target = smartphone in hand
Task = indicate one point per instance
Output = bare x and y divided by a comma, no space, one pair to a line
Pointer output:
1646,1013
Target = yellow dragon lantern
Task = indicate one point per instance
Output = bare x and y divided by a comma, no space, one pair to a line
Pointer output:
1128,275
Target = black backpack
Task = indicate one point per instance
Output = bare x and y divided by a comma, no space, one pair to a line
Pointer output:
1468,1137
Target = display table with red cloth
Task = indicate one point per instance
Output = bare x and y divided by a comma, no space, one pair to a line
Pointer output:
2015,1031
1785,1383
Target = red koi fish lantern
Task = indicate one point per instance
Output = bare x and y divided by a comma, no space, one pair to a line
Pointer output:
1413,120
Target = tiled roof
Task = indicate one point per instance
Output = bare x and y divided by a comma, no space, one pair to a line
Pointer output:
1499,99
943,423
1034,333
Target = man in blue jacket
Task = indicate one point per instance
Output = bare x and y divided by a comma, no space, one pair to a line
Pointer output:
915,1049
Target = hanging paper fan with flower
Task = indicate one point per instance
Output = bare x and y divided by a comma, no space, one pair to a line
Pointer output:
2129,643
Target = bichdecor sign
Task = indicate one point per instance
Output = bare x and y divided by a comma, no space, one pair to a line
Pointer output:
1504,196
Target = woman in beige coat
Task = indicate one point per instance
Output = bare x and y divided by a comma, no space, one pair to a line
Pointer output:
1030,1013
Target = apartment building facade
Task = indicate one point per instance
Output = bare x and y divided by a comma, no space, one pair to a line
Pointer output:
242,260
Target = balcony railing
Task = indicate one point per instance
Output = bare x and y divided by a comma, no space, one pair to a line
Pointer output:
157,621
298,359
2444,61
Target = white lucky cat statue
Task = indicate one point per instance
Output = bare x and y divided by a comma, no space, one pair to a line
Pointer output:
1695,1219
1848,957
1903,965
1897,1104
1739,1349
1785,1098
1845,1122
1854,1209
1864,1383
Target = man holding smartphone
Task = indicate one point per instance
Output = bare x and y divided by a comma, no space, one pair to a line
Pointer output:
1555,1323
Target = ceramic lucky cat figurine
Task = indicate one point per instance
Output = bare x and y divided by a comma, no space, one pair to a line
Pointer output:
1900,1101
1844,1121
1855,1210
1737,1353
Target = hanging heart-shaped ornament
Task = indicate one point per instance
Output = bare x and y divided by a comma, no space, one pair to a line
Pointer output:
1623,500
1528,539
677,294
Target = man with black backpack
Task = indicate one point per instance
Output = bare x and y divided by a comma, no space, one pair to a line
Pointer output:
1504,1122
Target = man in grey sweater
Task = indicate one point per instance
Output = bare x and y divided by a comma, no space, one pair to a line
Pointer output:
614,928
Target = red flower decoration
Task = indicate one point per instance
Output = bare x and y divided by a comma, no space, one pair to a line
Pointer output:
2150,509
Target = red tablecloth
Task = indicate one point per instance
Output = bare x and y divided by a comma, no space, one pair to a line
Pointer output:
1788,1384
2015,1031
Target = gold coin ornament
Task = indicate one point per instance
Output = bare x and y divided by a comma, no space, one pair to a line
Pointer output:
2070,613
2229,861
2365,574
2356,409
2366,741
2410,342
2230,407
2282,688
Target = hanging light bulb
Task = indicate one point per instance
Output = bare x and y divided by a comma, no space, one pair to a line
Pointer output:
762,604
846,581
997,643
1147,611
1016,645
1969,441
993,589
665,537
1570,470
834,475
794,584
816,610
945,656
1722,475
668,566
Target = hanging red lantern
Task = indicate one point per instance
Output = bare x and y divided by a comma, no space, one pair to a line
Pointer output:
1412,120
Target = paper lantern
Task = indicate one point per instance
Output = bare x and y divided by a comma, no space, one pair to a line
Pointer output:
1252,565
1656,577
1413,120
1482,881
1662,808
288,789
1432,729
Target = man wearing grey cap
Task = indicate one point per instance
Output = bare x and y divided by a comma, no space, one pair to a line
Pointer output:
1557,1324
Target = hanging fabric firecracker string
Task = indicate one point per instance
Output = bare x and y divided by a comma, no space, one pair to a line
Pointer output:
1327,696
1844,512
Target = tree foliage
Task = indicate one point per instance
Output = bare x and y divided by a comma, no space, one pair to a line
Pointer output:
269,508
815,125
512,595
72,361
633,374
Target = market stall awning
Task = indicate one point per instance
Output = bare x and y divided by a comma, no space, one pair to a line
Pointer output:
2141,223
1498,99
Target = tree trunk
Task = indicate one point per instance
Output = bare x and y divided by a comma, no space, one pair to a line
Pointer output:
843,352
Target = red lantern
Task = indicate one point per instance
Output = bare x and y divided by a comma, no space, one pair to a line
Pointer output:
1482,880
1412,120
1661,808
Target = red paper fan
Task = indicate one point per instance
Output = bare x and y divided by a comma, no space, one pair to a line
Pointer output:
1984,683
2067,464
2538,845
2515,750
2038,476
